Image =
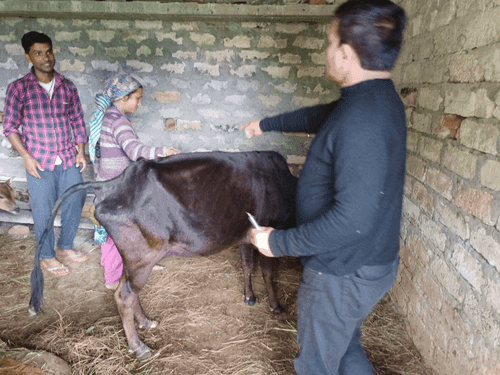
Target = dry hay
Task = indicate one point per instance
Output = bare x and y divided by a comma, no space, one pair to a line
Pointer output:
204,325
201,330
387,343
15,273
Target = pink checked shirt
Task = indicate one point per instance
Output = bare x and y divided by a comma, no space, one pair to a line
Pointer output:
48,127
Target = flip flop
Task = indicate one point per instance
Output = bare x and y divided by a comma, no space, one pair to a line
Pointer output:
78,256
54,270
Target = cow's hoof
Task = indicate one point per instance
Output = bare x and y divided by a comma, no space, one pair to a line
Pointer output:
142,352
277,311
250,301
149,324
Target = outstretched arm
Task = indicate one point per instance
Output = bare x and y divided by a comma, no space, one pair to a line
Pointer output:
303,120
129,142
252,129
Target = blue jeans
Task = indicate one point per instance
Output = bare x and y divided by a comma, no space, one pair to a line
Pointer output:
330,311
43,195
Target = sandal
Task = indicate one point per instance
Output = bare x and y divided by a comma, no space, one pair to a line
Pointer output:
73,255
60,270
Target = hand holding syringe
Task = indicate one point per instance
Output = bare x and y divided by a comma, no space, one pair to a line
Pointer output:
253,221
260,239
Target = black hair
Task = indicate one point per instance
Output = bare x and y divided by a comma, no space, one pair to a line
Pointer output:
32,37
374,29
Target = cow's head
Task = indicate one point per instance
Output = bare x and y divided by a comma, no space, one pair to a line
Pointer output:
8,198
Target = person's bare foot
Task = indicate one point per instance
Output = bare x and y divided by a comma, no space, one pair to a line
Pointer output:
77,256
54,267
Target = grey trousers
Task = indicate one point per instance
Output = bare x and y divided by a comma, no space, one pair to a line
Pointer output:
330,312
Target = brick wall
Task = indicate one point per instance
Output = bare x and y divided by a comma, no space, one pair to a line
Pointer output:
449,282
204,75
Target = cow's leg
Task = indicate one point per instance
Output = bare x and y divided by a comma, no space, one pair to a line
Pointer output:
139,259
246,251
140,317
266,266
129,306
127,301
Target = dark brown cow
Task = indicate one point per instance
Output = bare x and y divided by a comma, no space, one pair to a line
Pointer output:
185,204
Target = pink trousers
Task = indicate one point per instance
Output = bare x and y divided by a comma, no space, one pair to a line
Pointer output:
112,261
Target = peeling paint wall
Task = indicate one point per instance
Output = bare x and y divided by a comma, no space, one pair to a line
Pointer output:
202,78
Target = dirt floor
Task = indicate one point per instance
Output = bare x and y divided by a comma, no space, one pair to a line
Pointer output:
204,325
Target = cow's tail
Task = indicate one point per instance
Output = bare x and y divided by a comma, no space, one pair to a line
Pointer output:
37,275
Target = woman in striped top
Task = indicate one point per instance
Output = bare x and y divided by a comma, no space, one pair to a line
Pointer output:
117,146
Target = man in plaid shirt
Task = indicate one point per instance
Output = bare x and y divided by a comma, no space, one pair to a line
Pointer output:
44,123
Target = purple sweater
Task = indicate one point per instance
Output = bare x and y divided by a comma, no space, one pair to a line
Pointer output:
120,146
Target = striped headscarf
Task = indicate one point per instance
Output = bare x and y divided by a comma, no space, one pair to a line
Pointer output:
115,89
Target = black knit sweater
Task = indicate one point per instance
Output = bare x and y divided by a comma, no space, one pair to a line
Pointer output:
350,192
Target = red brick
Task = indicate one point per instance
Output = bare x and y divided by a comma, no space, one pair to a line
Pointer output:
404,253
435,325
170,124
424,199
455,323
409,117
457,360
415,167
466,69
408,185
420,249
399,296
488,365
409,96
439,182
19,230
431,290
11,366
409,288
419,334
449,127
166,97
476,202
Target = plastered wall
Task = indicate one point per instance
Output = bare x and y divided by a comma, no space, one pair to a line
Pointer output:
206,69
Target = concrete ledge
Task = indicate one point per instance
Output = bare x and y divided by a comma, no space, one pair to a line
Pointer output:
146,10
25,217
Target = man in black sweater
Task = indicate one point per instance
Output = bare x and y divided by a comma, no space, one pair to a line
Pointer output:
349,197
